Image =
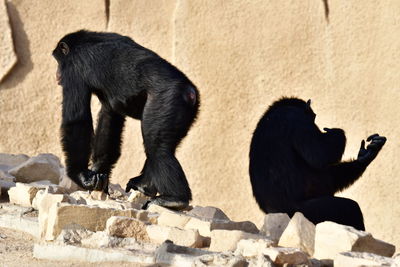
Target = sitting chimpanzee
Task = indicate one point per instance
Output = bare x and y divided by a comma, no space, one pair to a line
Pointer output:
133,81
296,167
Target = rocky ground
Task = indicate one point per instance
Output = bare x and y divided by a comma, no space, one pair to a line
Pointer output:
46,221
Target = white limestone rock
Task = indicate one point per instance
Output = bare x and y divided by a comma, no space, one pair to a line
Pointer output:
221,259
356,259
173,219
139,199
43,201
299,233
57,252
90,217
332,238
22,194
253,247
262,261
188,238
227,240
173,255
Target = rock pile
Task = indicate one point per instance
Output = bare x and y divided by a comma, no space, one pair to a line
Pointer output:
94,227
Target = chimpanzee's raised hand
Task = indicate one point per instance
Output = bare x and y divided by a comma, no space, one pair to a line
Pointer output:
92,180
367,155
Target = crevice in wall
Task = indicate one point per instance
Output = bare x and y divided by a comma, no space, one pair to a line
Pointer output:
173,25
107,9
326,8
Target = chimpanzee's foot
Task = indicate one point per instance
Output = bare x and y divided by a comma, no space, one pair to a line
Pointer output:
91,180
168,202
138,184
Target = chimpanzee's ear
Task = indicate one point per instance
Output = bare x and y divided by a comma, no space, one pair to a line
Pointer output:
64,48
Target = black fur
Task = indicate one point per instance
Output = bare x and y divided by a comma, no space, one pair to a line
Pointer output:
296,167
133,81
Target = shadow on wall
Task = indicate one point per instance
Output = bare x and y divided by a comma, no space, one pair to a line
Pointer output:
21,45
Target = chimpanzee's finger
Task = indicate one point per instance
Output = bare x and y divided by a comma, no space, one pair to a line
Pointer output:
372,136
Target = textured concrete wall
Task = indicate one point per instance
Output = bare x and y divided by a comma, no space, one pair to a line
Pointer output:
242,55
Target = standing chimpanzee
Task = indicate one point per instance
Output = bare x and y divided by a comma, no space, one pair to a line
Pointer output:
296,167
133,81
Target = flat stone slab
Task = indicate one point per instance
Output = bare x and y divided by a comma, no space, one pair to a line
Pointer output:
50,251
11,217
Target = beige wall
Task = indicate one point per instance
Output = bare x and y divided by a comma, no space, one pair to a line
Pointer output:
242,55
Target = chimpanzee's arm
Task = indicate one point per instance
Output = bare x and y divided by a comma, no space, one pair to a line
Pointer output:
107,140
76,128
318,149
345,174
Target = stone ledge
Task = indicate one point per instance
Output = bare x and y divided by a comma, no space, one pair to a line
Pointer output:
72,253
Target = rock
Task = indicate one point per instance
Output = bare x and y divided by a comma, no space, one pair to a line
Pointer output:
188,238
127,227
261,261
292,256
73,234
5,176
48,185
221,259
66,182
98,195
274,225
49,251
332,238
8,161
356,259
92,218
208,213
139,199
22,194
253,247
5,186
101,239
157,209
115,191
43,202
81,197
226,240
99,199
299,233
41,167
205,227
8,58
173,219
77,235
174,255
13,217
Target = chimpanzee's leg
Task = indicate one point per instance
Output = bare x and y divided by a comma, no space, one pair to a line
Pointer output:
340,210
166,120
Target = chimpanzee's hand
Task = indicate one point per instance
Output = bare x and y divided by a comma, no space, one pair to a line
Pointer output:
334,131
367,155
92,180
142,185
